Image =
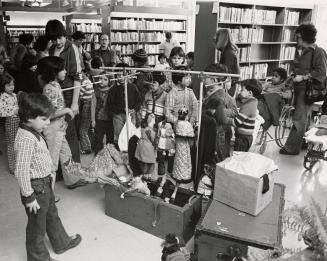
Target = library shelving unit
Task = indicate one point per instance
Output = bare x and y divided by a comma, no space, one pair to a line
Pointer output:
131,31
264,34
90,25
13,32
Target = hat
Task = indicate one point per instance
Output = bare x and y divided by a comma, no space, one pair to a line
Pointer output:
253,85
158,77
140,56
322,122
78,35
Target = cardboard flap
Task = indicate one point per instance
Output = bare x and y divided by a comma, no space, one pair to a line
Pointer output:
248,163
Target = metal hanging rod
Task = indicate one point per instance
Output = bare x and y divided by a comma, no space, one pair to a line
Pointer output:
176,71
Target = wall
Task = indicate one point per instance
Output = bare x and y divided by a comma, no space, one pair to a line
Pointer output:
32,18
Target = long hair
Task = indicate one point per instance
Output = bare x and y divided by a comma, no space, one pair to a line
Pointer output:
224,39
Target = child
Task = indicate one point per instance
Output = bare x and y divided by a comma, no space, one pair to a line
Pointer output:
182,169
117,103
162,65
96,63
9,110
278,84
33,171
52,73
155,98
101,115
181,96
190,60
216,90
87,99
173,250
145,150
26,79
244,121
177,57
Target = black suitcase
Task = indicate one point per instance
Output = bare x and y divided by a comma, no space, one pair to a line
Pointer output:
224,233
153,215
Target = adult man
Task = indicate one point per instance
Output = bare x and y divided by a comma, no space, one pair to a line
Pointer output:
108,56
78,39
168,44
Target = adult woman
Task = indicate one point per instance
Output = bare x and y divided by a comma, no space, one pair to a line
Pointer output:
310,61
229,51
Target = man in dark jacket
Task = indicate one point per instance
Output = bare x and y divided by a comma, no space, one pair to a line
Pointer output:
108,56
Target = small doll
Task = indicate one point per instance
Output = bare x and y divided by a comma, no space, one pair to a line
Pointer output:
145,150
166,147
137,185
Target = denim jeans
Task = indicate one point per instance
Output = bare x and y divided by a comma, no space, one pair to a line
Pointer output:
55,135
103,128
46,220
85,124
242,142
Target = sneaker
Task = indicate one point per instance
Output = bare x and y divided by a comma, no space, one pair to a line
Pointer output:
285,152
86,152
79,183
74,241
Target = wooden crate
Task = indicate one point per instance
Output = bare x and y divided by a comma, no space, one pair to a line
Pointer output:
224,230
153,215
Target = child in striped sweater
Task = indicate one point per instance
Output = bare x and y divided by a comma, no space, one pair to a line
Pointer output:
244,121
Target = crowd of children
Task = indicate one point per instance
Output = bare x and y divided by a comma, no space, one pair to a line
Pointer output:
162,103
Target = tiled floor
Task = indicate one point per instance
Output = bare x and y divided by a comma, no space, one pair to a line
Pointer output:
104,238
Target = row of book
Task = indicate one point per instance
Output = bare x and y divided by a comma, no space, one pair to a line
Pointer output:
264,16
151,48
126,48
124,37
247,35
16,33
86,27
235,15
287,67
292,17
244,54
287,53
141,24
286,35
92,38
152,60
257,71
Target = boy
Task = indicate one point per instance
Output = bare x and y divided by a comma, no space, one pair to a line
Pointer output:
219,91
33,172
181,97
244,122
190,60
278,84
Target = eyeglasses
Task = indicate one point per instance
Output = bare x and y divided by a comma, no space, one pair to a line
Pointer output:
104,39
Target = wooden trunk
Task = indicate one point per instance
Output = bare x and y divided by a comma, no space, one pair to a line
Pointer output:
153,215
224,233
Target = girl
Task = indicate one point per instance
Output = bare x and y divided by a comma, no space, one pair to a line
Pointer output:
9,110
177,57
145,150
52,72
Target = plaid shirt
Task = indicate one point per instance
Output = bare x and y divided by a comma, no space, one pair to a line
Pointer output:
33,159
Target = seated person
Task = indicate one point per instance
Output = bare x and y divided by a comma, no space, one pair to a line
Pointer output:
317,135
279,84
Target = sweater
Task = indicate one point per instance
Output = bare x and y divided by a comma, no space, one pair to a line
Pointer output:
116,98
155,103
245,119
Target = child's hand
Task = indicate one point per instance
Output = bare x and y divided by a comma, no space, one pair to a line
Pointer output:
70,112
74,108
93,124
33,207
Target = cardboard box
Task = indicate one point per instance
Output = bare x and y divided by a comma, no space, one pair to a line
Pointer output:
250,192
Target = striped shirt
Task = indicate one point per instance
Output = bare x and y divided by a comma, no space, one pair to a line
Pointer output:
245,119
154,104
87,91
33,158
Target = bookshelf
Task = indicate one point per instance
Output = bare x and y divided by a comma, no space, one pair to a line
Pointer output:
13,32
264,34
131,31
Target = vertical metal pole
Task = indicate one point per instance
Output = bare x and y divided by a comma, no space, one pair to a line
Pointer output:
199,126
126,104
